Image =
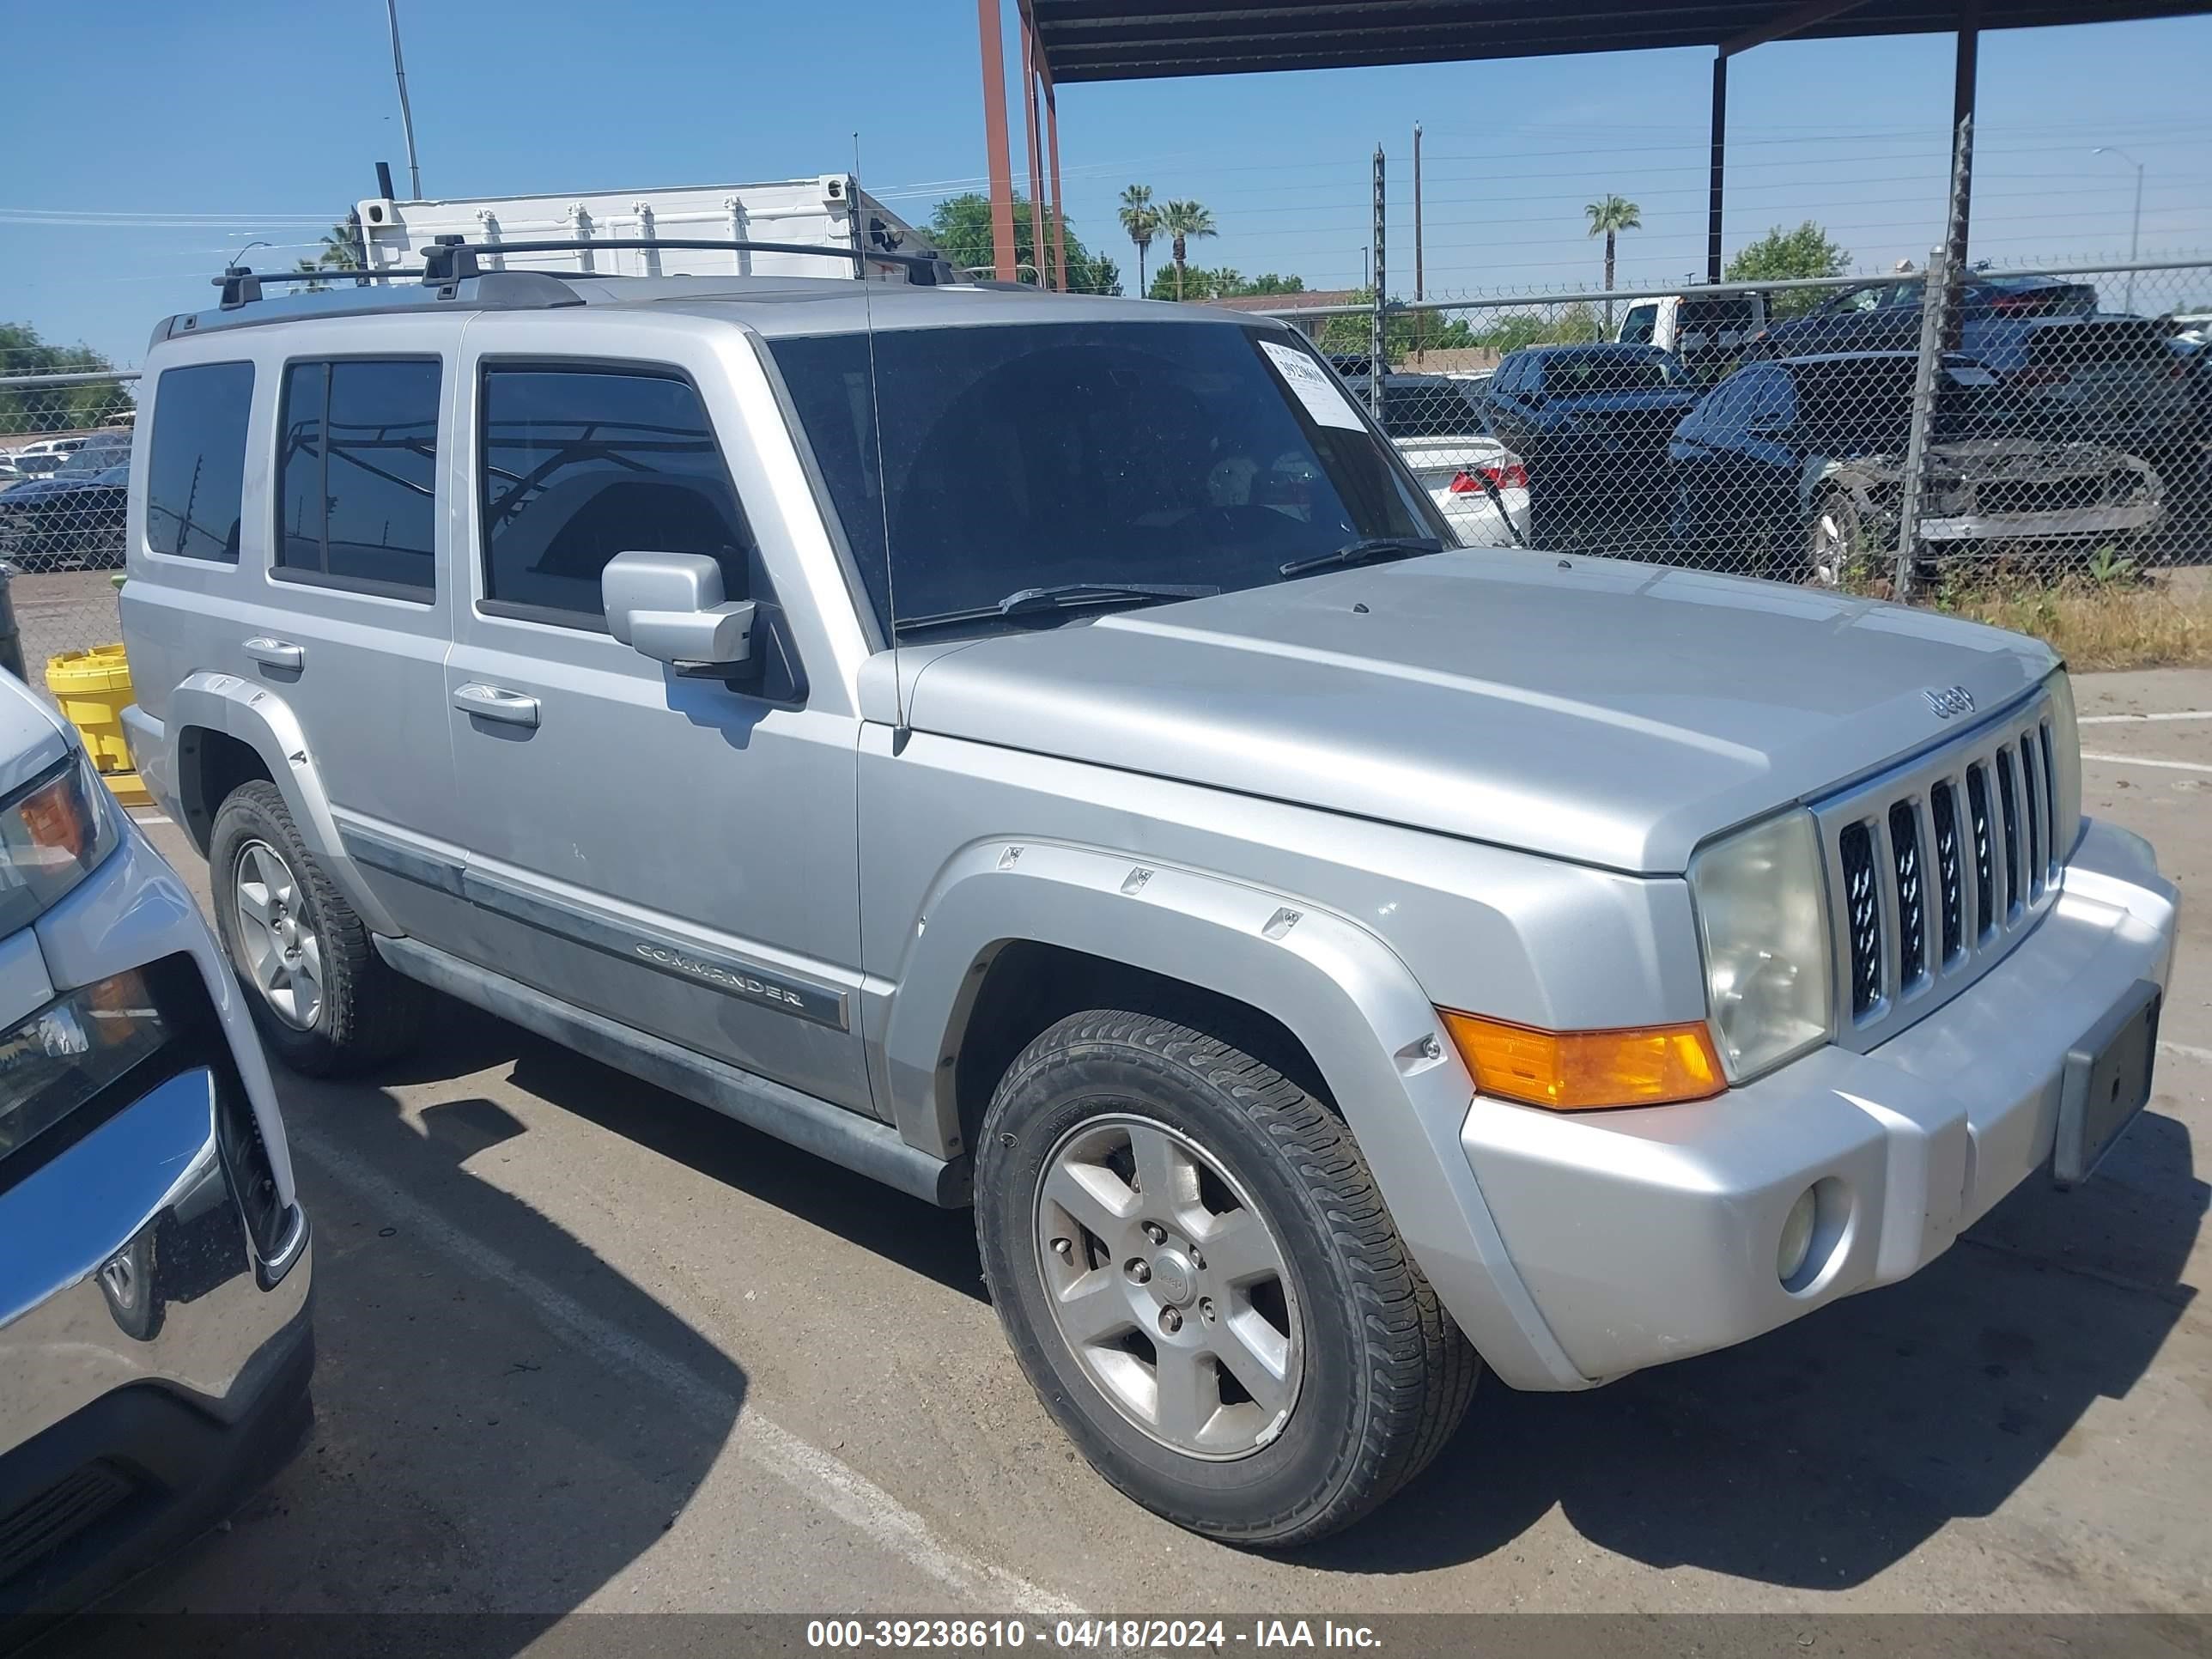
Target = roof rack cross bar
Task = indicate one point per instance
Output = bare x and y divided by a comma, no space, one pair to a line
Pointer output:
242,286
449,259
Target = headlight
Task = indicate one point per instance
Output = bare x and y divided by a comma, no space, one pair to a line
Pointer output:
1763,918
2065,763
69,1051
52,835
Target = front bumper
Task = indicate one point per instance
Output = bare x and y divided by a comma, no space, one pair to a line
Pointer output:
1646,1236
154,1279
2040,527
152,1382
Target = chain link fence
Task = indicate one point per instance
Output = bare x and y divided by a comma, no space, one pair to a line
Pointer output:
65,443
2034,425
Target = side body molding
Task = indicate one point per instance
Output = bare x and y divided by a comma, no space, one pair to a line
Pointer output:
1349,999
259,718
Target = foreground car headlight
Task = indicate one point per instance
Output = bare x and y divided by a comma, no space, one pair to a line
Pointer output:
64,1054
2065,763
1763,919
53,834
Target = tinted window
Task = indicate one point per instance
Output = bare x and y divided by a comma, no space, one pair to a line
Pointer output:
1640,325
1046,453
1425,408
357,473
197,473
1773,402
577,465
1577,373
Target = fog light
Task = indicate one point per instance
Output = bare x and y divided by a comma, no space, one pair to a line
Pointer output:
1798,1236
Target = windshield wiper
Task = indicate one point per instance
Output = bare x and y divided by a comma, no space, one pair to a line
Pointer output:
1061,595
1368,549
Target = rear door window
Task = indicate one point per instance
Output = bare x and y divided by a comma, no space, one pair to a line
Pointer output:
196,475
577,464
356,475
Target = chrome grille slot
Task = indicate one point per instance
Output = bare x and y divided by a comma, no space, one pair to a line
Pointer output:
1950,875
2008,809
1911,895
2051,801
1977,801
1862,906
1933,875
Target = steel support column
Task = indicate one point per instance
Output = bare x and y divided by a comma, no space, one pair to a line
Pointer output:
1965,74
999,157
1716,188
1036,163
1058,210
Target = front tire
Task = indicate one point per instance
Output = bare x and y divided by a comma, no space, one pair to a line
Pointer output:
1196,1269
325,1003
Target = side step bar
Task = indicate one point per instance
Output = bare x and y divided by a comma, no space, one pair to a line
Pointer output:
860,1143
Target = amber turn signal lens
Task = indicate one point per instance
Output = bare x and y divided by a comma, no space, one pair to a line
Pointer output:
1581,1071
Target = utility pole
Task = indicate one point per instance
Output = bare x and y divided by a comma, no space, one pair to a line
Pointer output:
406,116
2134,230
1420,272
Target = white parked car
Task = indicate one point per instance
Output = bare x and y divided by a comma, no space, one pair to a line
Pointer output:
1477,483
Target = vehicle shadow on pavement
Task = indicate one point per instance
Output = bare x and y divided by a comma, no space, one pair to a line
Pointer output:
478,1448
939,1244
1829,1450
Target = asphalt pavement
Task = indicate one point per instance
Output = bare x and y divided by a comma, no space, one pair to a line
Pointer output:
588,1347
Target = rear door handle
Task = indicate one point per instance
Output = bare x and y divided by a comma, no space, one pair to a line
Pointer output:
274,653
496,703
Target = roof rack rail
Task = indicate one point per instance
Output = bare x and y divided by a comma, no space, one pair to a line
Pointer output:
451,259
242,285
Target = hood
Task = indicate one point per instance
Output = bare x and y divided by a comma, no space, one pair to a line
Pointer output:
1609,713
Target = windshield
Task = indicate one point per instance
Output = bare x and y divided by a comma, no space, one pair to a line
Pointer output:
1041,454
91,460
1580,373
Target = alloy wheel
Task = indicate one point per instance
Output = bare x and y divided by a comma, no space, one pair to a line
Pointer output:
283,956
1170,1287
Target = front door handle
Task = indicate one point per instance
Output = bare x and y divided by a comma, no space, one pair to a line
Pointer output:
274,653
496,703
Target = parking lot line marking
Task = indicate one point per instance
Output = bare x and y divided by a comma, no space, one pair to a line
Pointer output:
2135,720
152,817
2141,760
814,1474
2188,1051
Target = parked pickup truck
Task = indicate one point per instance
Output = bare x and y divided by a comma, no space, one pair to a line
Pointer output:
1035,751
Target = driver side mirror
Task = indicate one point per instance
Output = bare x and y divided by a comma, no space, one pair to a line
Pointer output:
669,606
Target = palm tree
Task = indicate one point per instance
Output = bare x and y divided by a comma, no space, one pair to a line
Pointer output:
1611,214
1184,222
340,251
1140,219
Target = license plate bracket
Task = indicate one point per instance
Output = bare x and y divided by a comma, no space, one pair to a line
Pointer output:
2106,1082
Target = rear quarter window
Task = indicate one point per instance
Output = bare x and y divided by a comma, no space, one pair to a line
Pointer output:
195,477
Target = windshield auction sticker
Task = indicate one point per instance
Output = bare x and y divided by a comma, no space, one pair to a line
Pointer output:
1323,398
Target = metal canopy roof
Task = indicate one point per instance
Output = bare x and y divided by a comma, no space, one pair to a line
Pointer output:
1138,39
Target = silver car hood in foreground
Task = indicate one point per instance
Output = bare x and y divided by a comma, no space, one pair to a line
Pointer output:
1610,712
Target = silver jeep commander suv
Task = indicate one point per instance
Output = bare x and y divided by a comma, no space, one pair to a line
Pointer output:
1036,751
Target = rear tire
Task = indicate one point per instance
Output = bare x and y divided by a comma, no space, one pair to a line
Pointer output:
1266,1397
325,1003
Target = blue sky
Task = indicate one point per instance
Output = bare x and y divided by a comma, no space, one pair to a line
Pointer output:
148,140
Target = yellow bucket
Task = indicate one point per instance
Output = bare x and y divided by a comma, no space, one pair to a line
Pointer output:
93,689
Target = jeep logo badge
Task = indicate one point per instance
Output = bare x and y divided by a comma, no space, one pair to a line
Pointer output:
1949,700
